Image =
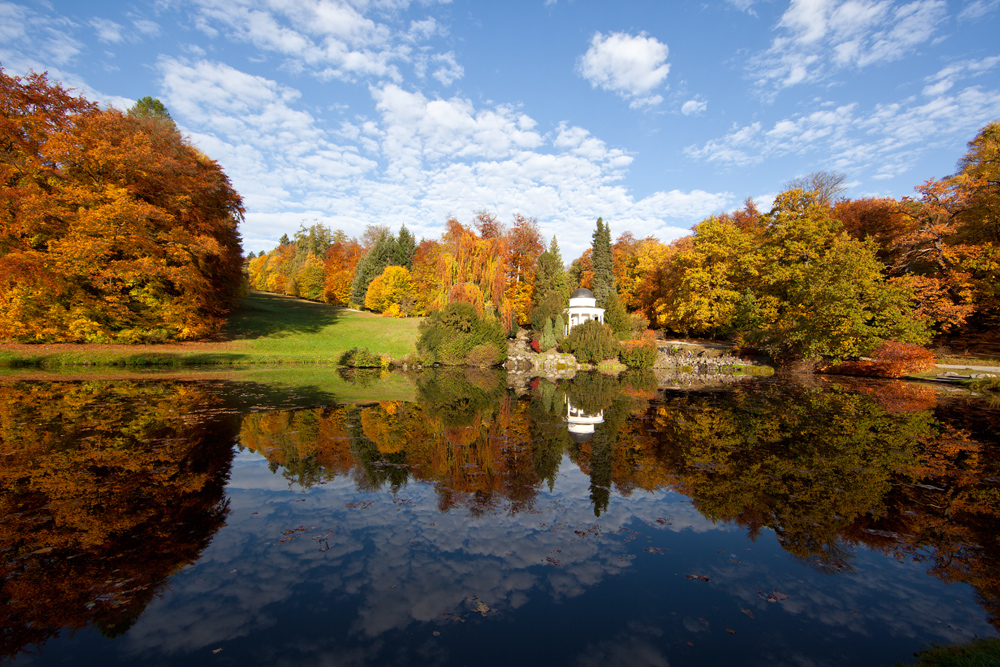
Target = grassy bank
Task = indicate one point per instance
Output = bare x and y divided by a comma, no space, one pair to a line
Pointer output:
265,329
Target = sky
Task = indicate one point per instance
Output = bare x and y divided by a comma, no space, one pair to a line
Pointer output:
651,114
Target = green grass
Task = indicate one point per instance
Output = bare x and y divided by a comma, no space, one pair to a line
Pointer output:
265,329
969,360
287,329
982,653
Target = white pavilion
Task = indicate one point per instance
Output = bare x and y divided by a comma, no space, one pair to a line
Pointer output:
580,424
582,307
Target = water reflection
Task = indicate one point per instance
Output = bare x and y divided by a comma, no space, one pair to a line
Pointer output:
106,489
476,503
827,467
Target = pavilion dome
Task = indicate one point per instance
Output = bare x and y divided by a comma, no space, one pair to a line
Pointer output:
582,293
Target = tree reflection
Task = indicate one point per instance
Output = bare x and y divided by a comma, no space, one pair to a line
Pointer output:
106,489
826,467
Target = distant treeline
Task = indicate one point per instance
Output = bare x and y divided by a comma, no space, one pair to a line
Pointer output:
816,275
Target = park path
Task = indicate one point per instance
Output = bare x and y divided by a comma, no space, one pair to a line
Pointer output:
982,369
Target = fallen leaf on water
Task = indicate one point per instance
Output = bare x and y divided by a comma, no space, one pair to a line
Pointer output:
690,643
747,612
216,650
698,576
732,632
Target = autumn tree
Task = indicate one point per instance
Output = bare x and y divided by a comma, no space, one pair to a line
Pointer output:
821,292
708,278
524,246
340,261
825,186
390,293
114,228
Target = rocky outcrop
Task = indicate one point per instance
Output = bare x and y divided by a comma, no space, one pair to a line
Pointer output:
674,366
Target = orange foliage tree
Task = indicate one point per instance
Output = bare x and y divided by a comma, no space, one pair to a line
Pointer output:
107,489
342,259
524,245
112,227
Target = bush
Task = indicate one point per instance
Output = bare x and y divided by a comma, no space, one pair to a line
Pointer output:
889,360
450,335
638,354
483,356
360,357
548,340
639,323
592,342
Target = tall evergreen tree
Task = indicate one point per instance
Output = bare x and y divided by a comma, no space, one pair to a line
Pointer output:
550,275
404,249
603,258
616,317
371,266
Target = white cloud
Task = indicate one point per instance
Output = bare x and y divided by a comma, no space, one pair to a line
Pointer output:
630,66
418,161
147,27
30,40
694,107
332,38
977,9
743,5
885,141
819,37
946,78
448,70
108,31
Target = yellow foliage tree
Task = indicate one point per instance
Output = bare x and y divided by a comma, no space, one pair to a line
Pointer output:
392,288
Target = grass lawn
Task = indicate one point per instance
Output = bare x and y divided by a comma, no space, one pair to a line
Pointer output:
265,329
289,329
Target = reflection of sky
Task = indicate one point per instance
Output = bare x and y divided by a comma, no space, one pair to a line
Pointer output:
392,580
374,582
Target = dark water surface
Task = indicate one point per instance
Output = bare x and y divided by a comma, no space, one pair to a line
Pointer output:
593,522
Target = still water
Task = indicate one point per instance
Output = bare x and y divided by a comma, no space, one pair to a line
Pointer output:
593,522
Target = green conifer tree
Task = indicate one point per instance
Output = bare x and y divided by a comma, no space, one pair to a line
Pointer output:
371,266
404,249
616,317
603,258
548,337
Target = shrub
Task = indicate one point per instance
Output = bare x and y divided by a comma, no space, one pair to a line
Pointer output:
360,357
592,342
548,340
451,334
483,356
639,323
559,328
889,360
638,354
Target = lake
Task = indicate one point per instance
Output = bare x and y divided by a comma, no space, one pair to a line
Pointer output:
588,522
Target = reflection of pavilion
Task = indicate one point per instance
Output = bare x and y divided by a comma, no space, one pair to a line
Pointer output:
581,425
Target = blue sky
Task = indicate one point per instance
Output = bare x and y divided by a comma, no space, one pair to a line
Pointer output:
652,114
